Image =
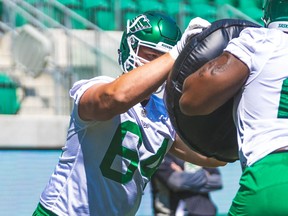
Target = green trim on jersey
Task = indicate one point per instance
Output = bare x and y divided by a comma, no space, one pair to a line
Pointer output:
283,105
116,149
149,166
42,211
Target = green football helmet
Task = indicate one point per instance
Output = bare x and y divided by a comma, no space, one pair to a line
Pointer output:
151,29
276,14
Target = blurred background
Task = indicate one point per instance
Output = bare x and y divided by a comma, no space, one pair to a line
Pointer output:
47,45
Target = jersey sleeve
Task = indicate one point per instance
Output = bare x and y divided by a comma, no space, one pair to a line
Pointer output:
80,87
253,47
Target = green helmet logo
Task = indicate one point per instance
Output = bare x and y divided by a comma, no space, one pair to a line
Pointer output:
276,14
141,23
151,29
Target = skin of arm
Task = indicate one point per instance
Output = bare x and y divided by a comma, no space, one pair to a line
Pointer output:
212,85
104,101
181,150
175,167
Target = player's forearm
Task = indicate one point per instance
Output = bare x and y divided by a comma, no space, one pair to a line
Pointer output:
103,102
141,82
181,150
198,159
137,85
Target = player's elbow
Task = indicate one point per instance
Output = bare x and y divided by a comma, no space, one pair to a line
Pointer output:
193,107
188,108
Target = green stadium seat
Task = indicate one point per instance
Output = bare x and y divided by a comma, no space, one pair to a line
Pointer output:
20,20
71,3
198,2
101,13
9,101
255,14
249,4
251,8
50,11
129,9
155,5
173,7
201,8
76,24
223,2
77,7
32,1
184,16
60,16
205,11
128,5
103,18
103,4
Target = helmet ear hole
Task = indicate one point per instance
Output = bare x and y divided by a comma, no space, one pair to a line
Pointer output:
132,41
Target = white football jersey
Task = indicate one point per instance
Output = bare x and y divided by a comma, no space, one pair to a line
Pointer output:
261,107
105,165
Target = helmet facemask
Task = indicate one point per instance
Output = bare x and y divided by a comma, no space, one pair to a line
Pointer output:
134,60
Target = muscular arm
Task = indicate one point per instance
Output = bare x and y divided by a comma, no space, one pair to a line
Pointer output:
212,85
181,150
104,101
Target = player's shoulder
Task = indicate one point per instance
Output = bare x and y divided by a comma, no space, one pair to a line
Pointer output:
261,34
97,79
102,79
79,87
259,39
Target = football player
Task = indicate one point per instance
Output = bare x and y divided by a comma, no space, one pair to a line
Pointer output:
119,130
253,69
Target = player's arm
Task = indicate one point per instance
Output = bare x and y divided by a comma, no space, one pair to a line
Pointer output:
212,85
104,101
181,150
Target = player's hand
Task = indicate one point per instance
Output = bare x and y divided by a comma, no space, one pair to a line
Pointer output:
195,26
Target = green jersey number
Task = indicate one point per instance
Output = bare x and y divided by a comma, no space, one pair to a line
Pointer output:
147,166
283,105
